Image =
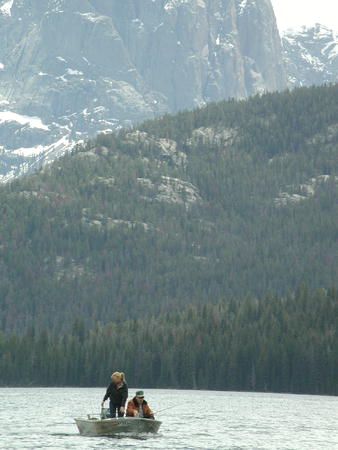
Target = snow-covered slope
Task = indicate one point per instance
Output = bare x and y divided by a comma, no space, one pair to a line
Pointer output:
27,143
79,67
311,55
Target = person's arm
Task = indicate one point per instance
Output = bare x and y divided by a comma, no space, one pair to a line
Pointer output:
130,409
124,398
124,395
148,413
107,394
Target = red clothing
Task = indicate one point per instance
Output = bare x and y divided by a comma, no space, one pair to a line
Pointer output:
133,407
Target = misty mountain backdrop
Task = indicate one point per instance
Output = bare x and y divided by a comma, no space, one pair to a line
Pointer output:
72,68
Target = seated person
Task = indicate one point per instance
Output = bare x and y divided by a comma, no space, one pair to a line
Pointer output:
138,407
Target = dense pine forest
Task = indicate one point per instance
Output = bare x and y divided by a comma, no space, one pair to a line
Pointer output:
274,344
178,219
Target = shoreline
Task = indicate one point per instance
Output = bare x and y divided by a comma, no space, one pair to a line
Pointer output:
55,387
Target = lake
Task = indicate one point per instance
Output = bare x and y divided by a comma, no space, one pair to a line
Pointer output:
42,418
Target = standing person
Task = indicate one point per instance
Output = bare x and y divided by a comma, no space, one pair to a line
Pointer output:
117,392
138,407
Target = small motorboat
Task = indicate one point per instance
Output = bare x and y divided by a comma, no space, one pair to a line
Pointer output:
100,425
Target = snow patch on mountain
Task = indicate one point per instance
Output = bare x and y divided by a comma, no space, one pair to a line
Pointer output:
29,151
6,8
32,122
74,72
311,55
172,4
242,6
93,17
32,158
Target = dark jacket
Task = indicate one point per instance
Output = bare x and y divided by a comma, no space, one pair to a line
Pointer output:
134,406
118,396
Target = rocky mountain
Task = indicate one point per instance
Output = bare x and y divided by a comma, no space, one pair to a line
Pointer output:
72,68
311,56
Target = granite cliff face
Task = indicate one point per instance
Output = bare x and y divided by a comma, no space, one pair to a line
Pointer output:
72,68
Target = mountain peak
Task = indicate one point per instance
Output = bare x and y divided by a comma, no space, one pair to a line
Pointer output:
318,30
155,57
310,55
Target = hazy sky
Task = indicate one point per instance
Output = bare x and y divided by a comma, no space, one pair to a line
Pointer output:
293,13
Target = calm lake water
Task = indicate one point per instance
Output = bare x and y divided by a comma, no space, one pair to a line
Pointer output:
43,419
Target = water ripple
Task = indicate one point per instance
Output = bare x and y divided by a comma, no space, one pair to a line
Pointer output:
35,419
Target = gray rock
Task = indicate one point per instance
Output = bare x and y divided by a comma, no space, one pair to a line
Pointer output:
311,56
89,66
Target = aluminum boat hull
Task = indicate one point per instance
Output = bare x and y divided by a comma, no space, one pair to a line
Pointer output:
113,427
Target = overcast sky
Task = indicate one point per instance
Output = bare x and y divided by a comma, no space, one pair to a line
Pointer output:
294,13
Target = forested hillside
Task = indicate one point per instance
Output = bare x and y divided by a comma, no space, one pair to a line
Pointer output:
273,344
232,199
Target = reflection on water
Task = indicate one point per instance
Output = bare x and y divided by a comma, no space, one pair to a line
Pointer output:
43,419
